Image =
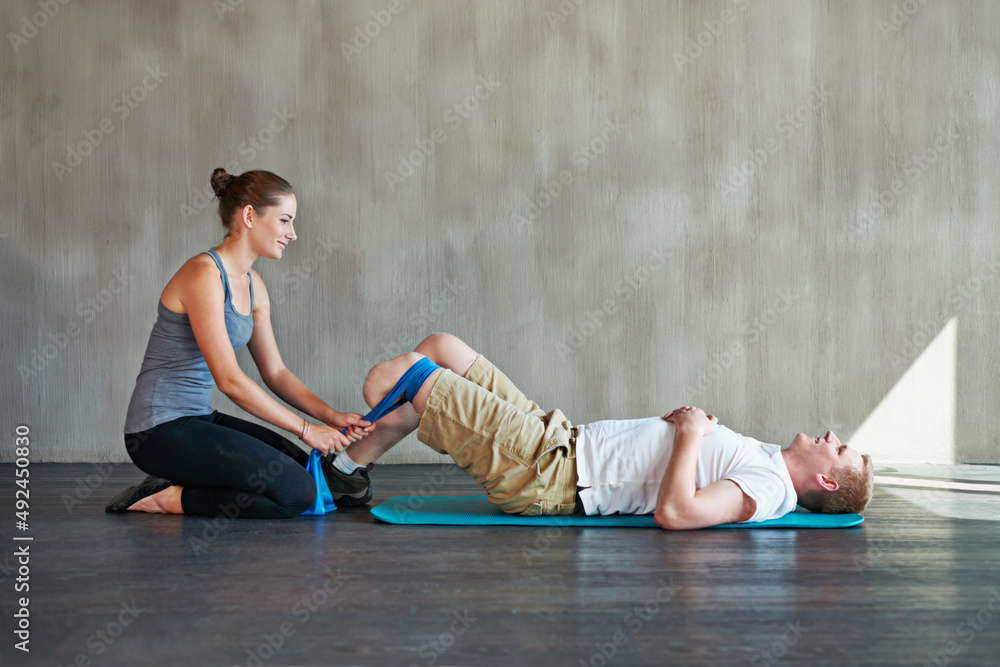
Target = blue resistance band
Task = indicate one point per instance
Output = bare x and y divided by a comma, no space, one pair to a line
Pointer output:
405,390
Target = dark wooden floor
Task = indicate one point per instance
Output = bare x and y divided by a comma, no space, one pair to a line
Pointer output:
908,587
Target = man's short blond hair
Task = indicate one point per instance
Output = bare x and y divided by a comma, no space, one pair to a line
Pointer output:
854,491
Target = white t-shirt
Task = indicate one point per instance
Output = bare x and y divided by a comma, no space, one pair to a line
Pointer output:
622,464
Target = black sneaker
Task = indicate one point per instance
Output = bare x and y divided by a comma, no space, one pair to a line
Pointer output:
351,490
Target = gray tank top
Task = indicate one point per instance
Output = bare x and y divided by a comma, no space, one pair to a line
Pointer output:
174,380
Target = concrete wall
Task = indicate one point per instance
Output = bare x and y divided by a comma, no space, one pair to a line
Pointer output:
770,209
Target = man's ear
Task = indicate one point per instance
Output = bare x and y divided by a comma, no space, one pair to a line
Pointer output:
826,482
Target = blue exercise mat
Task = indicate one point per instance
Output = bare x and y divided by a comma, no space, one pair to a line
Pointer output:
407,387
479,511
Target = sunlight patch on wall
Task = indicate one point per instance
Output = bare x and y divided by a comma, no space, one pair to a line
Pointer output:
915,422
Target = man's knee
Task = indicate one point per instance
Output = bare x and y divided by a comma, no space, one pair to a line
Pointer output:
448,351
383,376
437,345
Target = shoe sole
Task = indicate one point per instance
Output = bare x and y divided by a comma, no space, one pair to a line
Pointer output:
346,500
133,494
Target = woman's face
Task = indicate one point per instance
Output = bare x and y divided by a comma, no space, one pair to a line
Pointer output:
273,228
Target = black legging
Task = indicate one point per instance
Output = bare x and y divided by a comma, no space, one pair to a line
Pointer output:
227,466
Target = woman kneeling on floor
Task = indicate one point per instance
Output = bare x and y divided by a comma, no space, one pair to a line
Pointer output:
200,461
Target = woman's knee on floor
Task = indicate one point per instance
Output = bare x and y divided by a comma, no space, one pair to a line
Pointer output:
292,493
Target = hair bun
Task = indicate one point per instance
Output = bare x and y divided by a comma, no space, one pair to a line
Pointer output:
220,181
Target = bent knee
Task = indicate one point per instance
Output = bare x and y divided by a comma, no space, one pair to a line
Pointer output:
383,376
297,506
296,500
436,344
448,351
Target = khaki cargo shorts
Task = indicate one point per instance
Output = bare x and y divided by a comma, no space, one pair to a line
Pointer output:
523,457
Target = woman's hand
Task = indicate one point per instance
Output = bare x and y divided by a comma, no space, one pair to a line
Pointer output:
355,424
326,439
692,420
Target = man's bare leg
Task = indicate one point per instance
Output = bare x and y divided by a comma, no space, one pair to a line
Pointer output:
447,351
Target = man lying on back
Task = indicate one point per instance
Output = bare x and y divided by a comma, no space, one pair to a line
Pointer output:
683,467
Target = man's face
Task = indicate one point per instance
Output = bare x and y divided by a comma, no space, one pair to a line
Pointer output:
823,454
